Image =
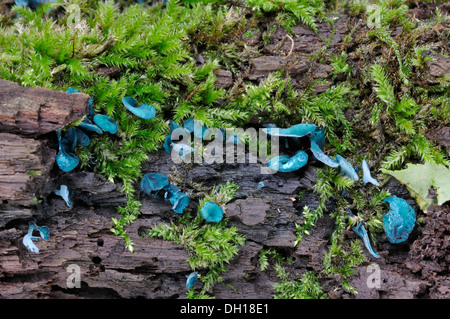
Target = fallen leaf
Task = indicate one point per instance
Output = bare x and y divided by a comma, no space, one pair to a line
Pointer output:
420,178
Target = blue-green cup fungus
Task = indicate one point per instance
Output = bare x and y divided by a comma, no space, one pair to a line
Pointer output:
28,243
362,233
212,212
347,168
72,90
27,240
178,199
318,137
367,177
191,279
82,137
321,156
298,130
63,191
286,163
153,182
106,123
90,127
70,138
144,111
399,221
66,161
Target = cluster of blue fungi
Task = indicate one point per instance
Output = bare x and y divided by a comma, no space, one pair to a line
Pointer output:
398,222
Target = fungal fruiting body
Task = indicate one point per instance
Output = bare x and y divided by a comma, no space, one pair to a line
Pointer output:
178,199
346,168
153,182
63,191
212,212
144,111
298,130
286,163
399,221
106,123
321,156
367,178
362,233
27,240
191,279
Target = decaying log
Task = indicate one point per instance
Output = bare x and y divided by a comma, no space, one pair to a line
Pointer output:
24,167
26,160
33,111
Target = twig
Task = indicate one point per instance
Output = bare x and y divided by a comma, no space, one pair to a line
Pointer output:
292,45
190,94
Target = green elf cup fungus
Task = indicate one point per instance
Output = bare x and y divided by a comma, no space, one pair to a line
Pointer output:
144,111
212,212
399,221
285,163
367,178
346,168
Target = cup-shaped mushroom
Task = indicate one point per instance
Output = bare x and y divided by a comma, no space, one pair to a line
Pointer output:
153,182
347,168
28,243
66,161
298,130
90,127
63,191
70,138
191,279
106,123
182,201
318,137
144,111
362,233
321,156
212,212
82,138
399,221
285,163
367,177
44,232
72,90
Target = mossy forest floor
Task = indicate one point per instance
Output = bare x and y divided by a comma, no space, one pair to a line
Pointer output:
373,74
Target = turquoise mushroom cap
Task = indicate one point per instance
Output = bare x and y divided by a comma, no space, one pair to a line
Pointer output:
28,243
399,221
321,156
318,137
90,127
285,163
347,168
298,130
367,177
82,138
72,90
212,212
63,191
153,182
362,233
66,161
144,111
44,232
106,123
191,279
178,199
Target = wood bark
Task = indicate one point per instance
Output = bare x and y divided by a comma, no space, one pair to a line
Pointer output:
33,111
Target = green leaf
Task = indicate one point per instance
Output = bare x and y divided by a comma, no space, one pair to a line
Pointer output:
420,178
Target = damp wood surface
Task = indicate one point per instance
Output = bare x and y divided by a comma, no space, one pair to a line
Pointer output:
266,217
